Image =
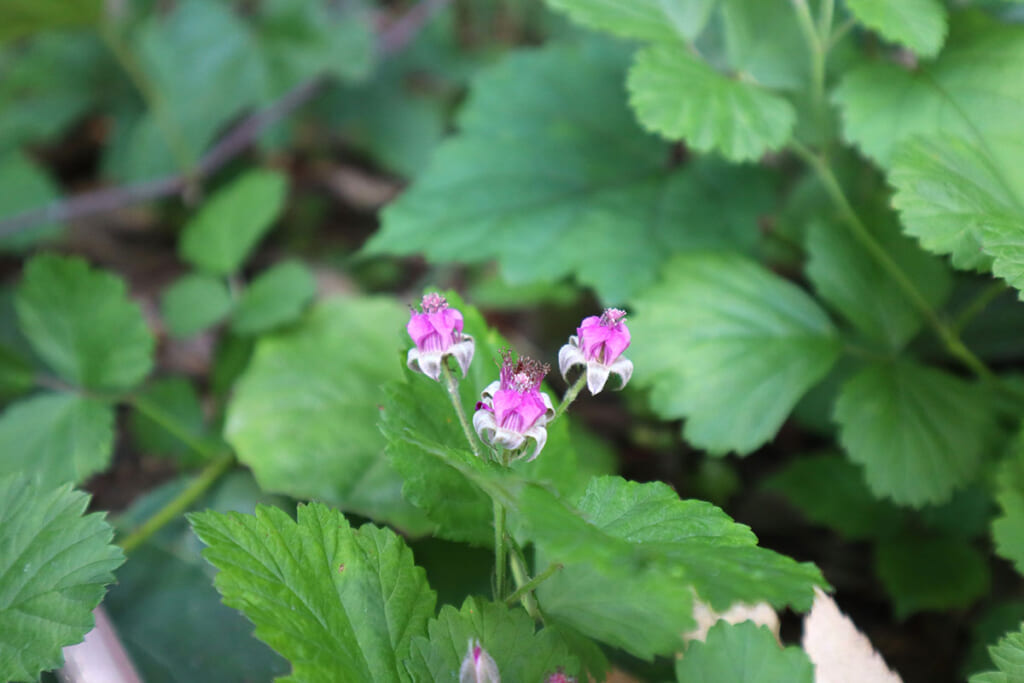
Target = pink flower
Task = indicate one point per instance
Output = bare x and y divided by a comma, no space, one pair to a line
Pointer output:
560,677
598,344
478,666
513,409
437,333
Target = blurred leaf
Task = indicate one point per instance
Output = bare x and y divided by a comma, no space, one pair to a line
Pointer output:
682,98
830,490
337,602
919,432
172,419
599,204
1008,656
25,187
16,374
993,623
645,19
221,235
922,573
53,569
82,323
194,302
764,44
1008,528
59,437
303,416
23,17
848,277
743,653
918,24
277,296
730,346
506,634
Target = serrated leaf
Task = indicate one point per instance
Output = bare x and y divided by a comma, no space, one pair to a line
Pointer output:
194,302
339,603
303,415
730,346
743,653
919,432
599,204
277,296
681,98
923,573
657,20
830,490
917,24
508,636
1008,528
1008,656
81,322
58,437
23,17
54,565
25,187
219,238
972,91
848,277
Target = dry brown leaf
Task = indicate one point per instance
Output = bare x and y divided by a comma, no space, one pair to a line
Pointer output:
841,653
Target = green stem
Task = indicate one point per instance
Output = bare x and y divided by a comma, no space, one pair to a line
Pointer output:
570,395
825,22
499,549
840,31
948,335
529,586
816,46
978,304
452,385
155,413
182,502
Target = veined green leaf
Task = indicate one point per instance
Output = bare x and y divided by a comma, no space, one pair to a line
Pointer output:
277,296
917,24
1008,656
743,653
195,302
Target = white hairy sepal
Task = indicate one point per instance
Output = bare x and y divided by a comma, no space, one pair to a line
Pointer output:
570,355
490,432
429,362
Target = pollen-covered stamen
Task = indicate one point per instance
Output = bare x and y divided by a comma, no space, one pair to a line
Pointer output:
612,317
521,375
433,302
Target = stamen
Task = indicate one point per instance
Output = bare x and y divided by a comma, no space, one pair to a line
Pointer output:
612,316
433,302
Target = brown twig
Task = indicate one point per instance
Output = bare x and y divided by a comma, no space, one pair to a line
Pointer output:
391,39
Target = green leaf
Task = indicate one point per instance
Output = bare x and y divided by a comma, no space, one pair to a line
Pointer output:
194,302
53,569
600,203
730,346
277,296
635,551
919,432
303,415
989,626
681,98
1008,656
82,323
220,237
922,573
339,603
972,91
656,20
917,24
506,634
171,419
848,277
58,437
23,17
25,187
743,653
764,43
1008,528
830,490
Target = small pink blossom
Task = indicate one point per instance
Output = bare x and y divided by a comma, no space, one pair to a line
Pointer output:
560,677
478,666
514,409
437,333
598,344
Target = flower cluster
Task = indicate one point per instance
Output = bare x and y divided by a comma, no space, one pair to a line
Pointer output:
513,411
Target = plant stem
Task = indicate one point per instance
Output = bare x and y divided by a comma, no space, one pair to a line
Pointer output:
452,385
169,512
947,334
816,46
978,304
499,549
570,395
529,586
157,414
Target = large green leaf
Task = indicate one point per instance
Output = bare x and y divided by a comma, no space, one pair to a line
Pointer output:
600,203
226,229
54,564
730,346
303,416
973,90
507,635
81,322
194,302
277,296
1008,656
917,24
849,278
931,573
25,187
743,653
919,432
58,437
23,17
682,98
339,603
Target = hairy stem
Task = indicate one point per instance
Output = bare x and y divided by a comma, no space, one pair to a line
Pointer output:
570,395
978,304
452,385
526,588
818,53
499,549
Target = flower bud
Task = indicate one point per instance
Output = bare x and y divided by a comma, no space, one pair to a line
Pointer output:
598,345
478,666
437,332
513,409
